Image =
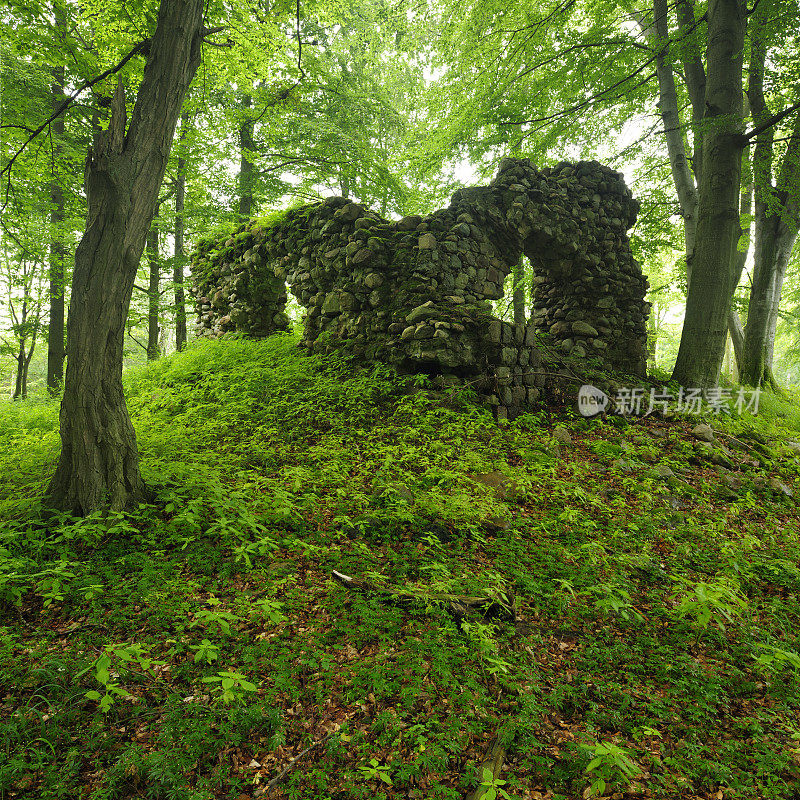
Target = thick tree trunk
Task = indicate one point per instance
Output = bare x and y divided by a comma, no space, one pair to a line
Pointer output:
711,288
180,254
99,466
246,167
153,292
58,253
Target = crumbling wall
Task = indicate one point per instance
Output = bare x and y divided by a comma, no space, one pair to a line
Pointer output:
417,292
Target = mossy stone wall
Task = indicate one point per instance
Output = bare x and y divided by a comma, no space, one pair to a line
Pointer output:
416,292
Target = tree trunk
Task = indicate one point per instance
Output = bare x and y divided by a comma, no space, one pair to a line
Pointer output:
694,73
27,365
246,145
736,332
23,359
776,225
735,329
58,253
19,381
774,245
658,35
153,295
519,293
180,254
652,339
99,465
711,288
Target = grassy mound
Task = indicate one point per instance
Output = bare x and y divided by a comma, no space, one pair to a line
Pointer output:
647,646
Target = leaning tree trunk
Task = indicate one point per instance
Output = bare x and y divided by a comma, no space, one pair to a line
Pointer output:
153,292
99,465
180,253
55,333
711,288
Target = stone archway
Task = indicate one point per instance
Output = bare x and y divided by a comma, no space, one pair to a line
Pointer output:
417,292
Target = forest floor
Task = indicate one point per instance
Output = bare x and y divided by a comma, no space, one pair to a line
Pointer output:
638,637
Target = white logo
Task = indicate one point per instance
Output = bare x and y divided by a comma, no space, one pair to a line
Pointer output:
591,400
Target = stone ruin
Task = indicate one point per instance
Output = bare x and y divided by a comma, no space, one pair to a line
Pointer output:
416,293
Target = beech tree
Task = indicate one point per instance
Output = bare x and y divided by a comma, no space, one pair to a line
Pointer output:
99,465
711,280
777,202
680,56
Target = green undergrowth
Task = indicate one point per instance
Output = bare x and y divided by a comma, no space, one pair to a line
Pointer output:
191,649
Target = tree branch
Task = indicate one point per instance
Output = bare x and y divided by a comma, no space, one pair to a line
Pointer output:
771,121
139,48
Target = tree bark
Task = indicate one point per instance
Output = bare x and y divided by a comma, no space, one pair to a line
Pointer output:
99,465
58,253
246,167
153,292
711,287
180,253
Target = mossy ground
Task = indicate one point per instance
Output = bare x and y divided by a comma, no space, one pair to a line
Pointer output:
657,619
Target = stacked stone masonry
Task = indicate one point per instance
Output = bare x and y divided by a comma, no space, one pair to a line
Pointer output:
417,292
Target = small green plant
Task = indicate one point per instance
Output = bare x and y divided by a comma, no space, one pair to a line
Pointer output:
205,651
776,659
482,634
706,602
55,583
375,770
247,551
611,764
492,786
231,686
612,599
645,732
416,733
107,667
269,609
208,617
